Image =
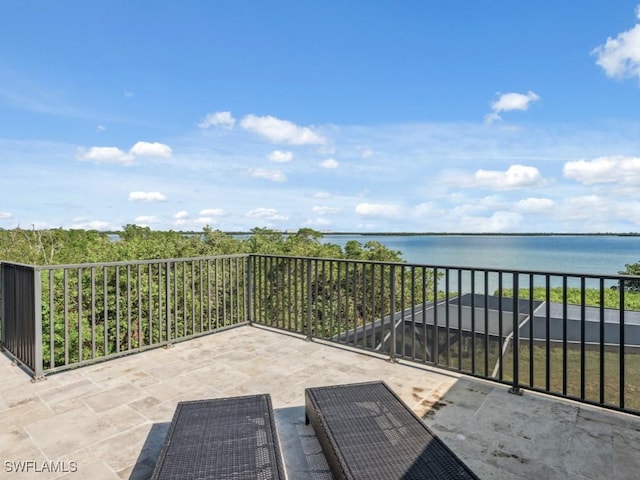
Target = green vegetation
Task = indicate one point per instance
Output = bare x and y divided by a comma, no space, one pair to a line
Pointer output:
591,367
631,269
332,297
58,246
592,358
487,352
610,298
574,296
91,312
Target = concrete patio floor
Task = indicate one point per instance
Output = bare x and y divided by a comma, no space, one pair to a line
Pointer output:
108,420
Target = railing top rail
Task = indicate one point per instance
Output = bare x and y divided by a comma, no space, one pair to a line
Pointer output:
16,264
589,275
326,259
124,262
467,268
535,272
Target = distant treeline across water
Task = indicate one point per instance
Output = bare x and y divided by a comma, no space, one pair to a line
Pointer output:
600,254
597,254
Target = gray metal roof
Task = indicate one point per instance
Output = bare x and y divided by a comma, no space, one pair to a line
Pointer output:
468,313
471,308
463,317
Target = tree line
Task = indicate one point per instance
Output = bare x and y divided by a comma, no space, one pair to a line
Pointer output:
90,312
60,246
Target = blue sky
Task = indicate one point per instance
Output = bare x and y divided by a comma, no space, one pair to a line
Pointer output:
417,116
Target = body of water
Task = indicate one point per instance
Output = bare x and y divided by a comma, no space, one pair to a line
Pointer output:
594,254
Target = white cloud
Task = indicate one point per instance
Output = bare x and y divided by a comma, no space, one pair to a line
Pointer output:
128,94
376,210
467,209
501,221
514,101
516,176
427,209
281,131
117,156
366,152
182,219
101,128
620,57
279,156
273,175
588,207
146,219
90,225
325,210
510,101
329,163
154,149
599,213
107,155
318,222
492,202
212,212
5,215
147,197
604,170
204,220
632,211
536,205
409,165
218,119
266,213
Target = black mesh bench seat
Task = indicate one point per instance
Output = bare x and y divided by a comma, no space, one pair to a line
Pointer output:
224,438
367,432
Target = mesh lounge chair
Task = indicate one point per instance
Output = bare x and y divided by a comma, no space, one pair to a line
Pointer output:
224,438
367,432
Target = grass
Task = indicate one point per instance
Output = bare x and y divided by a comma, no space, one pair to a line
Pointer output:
569,384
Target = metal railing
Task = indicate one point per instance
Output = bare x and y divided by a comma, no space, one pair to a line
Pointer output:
61,316
20,323
576,336
572,335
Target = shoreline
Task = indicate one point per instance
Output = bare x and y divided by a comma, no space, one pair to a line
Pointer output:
471,234
420,234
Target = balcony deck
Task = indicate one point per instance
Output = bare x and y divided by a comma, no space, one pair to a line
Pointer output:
110,419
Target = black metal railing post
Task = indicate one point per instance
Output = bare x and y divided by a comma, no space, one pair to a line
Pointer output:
621,350
3,296
38,372
309,301
392,315
249,297
515,387
168,303
22,316
94,312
